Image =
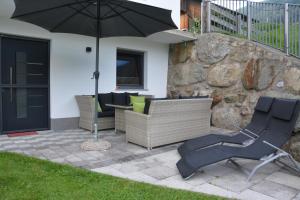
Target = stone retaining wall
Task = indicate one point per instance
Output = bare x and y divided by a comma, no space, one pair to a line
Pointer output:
234,72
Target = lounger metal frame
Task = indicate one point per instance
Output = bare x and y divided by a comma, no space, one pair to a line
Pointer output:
271,158
241,130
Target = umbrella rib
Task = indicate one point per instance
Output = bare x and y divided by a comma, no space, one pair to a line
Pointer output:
140,13
88,11
112,16
53,8
68,18
125,19
107,14
80,12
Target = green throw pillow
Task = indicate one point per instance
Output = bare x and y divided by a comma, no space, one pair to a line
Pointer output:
99,109
138,107
137,99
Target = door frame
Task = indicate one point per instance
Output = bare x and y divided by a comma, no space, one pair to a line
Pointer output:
48,41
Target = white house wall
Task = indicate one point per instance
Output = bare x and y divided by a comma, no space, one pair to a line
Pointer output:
71,67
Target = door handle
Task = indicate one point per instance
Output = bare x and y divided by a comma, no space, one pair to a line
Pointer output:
11,83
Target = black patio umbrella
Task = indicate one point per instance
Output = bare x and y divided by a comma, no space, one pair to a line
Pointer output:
97,18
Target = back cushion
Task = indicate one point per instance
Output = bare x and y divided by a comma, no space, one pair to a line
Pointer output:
119,99
128,96
264,104
138,107
105,98
148,103
283,108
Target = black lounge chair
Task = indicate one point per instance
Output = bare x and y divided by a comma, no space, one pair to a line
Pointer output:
266,148
251,131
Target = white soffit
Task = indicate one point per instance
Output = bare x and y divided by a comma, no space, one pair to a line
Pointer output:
172,37
7,7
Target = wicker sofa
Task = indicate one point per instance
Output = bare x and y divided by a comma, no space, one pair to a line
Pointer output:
87,109
169,121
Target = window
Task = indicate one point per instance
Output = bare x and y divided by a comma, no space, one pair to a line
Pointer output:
130,69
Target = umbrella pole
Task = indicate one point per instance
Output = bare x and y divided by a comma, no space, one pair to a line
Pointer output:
96,73
96,145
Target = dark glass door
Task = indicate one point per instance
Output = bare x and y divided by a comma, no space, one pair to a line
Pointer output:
24,84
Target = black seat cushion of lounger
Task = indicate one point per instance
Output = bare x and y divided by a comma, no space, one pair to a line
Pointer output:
105,98
277,132
257,124
283,109
106,114
264,104
197,159
148,103
119,99
211,139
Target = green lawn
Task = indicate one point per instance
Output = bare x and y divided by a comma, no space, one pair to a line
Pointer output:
24,177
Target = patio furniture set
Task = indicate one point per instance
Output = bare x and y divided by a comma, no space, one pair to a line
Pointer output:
167,121
164,121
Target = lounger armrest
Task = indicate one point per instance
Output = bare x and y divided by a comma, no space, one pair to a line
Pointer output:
251,132
274,147
246,134
243,131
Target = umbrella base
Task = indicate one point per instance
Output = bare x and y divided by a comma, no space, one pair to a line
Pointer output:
95,145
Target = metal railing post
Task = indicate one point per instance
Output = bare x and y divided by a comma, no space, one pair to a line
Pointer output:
249,20
202,18
208,16
239,24
286,28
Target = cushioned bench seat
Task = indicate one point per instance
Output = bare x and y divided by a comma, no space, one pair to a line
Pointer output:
106,118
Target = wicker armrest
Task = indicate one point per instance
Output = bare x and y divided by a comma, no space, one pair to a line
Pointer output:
137,128
134,118
86,106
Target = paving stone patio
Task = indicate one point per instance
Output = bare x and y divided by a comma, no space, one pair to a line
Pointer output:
157,166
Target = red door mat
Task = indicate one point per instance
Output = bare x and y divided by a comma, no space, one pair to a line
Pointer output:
22,134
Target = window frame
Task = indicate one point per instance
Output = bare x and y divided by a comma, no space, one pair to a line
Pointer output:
141,69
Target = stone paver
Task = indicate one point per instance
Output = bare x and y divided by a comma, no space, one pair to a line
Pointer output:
275,190
160,172
236,182
212,189
174,182
141,177
157,166
250,195
285,179
297,197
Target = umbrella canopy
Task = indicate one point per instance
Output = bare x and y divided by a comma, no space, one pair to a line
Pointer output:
97,18
117,17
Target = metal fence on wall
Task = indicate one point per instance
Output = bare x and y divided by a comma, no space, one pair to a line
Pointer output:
273,24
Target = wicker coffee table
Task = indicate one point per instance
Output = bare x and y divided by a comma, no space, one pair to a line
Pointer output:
120,116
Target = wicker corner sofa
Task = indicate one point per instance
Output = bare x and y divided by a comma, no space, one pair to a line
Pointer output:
87,109
169,121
